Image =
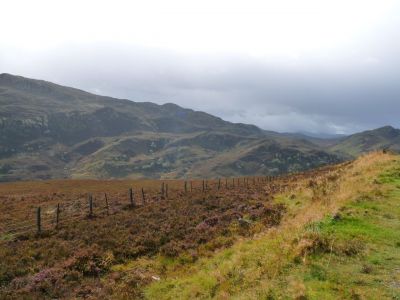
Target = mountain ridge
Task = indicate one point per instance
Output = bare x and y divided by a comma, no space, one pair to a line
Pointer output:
386,137
52,131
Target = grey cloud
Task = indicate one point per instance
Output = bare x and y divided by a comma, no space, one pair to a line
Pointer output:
355,91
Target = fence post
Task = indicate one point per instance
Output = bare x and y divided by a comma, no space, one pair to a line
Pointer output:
191,186
39,220
105,197
185,186
203,186
233,182
219,183
226,183
131,197
143,197
90,206
57,215
166,191
162,190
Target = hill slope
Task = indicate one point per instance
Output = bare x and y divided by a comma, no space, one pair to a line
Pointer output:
52,131
335,242
382,138
330,233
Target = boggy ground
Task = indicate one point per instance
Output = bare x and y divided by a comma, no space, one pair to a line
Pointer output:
119,251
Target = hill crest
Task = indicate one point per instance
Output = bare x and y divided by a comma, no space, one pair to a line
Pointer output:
52,131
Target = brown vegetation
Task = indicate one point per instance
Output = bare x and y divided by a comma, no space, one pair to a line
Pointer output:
70,260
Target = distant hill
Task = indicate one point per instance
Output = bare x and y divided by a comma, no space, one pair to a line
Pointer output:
323,136
52,131
382,138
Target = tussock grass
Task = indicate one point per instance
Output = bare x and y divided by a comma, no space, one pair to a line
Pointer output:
339,240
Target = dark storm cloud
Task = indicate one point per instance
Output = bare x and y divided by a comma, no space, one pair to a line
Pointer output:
347,93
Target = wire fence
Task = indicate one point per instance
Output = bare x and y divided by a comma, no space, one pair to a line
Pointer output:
36,219
45,217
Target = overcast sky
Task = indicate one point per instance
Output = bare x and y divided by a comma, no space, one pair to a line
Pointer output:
316,66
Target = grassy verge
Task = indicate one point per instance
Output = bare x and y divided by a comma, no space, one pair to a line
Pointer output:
340,240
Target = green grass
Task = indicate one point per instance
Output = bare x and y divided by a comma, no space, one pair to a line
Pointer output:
6,237
371,273
353,254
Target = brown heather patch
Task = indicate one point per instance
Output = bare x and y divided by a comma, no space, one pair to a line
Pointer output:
82,258
62,262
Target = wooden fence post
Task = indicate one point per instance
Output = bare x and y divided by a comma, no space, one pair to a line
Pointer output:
107,207
39,220
90,206
226,183
219,183
191,186
131,197
185,186
166,191
203,186
57,215
143,197
162,190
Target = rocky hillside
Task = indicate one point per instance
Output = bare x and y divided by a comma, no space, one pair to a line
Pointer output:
52,131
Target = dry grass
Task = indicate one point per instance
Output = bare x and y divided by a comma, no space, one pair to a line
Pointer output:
255,268
196,245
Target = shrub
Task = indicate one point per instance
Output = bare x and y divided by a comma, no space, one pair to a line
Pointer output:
90,261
